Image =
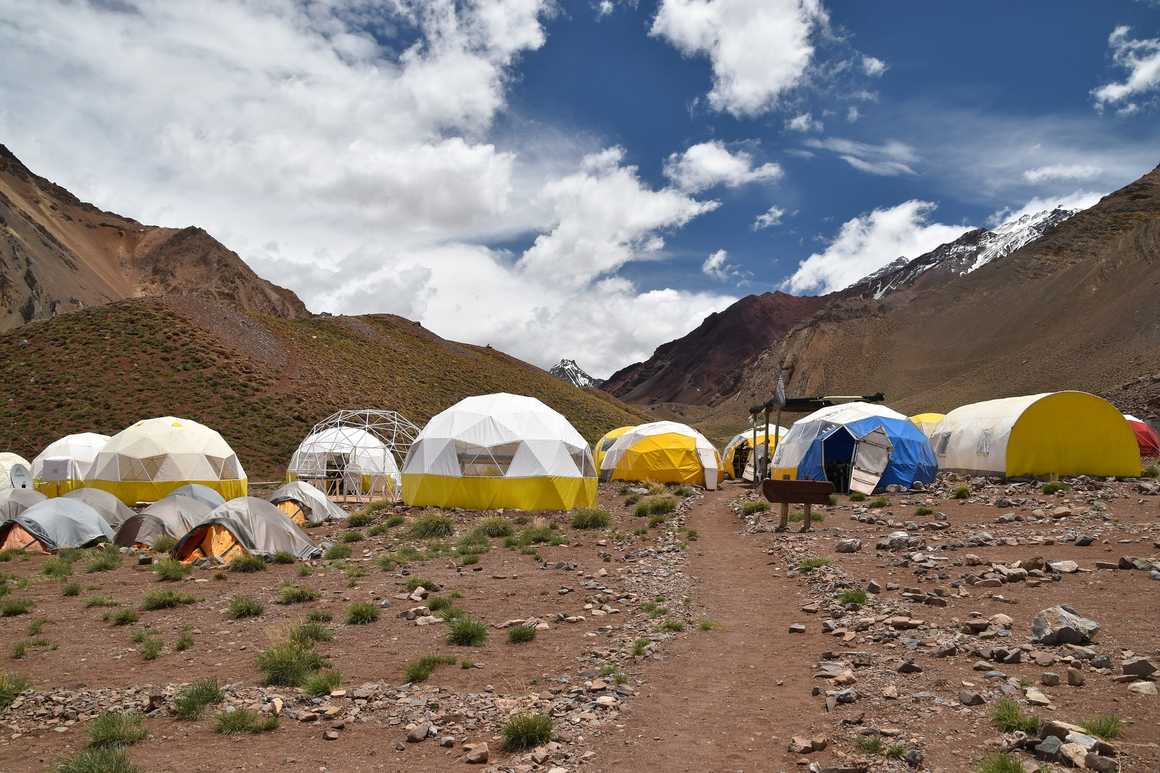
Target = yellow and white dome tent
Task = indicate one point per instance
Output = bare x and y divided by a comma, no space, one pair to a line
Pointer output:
605,443
927,422
731,467
1056,433
63,464
499,450
662,452
8,461
146,461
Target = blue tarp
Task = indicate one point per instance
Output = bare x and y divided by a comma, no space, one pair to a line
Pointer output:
911,457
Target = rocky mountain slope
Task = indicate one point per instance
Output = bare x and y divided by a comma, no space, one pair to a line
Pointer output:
60,254
708,364
571,372
262,381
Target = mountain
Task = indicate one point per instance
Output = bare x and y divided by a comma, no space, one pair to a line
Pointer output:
708,364
968,253
260,380
568,370
60,254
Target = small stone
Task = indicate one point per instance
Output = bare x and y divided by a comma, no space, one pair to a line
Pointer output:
970,698
1075,677
848,545
797,628
1142,688
1049,679
330,735
1036,697
447,741
1061,625
477,753
1049,747
890,692
800,745
873,587
418,733
1065,567
1141,667
1101,764
1074,753
909,667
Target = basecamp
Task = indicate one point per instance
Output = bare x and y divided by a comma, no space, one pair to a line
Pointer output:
245,526
10,463
927,423
171,517
63,464
857,447
346,460
153,457
500,450
15,501
1056,433
736,459
108,506
305,504
54,524
663,452
1146,438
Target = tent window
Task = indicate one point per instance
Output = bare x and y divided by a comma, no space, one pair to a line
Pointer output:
608,443
983,446
583,462
941,441
484,461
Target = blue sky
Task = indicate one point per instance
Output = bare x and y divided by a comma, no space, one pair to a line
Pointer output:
578,179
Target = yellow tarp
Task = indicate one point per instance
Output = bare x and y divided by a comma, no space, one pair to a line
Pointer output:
665,458
212,540
133,491
927,423
57,488
1043,440
540,493
293,510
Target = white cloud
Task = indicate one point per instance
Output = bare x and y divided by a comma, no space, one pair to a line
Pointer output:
1061,172
804,122
868,242
769,218
758,49
888,159
717,266
873,66
349,150
708,164
1140,57
853,114
604,7
1076,201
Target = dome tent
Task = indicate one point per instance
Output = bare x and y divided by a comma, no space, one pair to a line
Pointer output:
53,524
927,423
1055,433
347,460
148,460
736,459
605,443
662,452
108,506
857,447
305,504
63,464
170,517
1146,438
499,450
9,462
203,494
245,526
15,501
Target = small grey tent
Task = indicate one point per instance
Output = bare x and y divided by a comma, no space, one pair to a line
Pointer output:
198,491
111,509
15,501
306,504
245,526
172,517
53,524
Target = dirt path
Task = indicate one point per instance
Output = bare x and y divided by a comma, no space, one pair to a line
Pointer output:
728,699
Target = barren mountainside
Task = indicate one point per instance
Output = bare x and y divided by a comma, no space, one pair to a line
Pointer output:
59,254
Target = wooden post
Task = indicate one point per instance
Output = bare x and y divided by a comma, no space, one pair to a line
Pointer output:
806,525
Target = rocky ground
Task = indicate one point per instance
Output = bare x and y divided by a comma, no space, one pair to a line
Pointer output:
885,639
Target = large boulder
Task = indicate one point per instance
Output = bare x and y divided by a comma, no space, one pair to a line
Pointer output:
1062,625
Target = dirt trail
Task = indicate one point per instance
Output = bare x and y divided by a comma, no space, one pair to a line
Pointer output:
728,699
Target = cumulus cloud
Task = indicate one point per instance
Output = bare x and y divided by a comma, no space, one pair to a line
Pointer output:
769,218
888,159
853,114
708,164
1140,57
1076,201
758,49
353,156
873,66
804,122
868,242
1061,172
717,266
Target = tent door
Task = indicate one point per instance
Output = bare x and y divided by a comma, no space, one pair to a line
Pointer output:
871,455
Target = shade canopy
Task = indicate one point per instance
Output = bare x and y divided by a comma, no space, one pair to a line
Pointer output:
63,464
662,452
245,526
56,524
500,450
153,457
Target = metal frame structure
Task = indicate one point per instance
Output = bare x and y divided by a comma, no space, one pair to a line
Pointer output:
361,473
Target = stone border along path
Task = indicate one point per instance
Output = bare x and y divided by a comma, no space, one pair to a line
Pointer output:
712,701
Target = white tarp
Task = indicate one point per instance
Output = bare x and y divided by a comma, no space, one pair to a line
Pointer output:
68,458
974,437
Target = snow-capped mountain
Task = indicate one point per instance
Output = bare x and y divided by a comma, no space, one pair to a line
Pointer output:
968,253
568,370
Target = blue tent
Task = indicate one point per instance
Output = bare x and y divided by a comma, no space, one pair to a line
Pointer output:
826,444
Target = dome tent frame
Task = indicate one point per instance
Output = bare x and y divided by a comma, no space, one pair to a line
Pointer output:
355,454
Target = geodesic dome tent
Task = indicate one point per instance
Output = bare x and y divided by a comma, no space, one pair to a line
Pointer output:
605,443
53,524
305,504
148,460
857,447
500,450
10,462
245,526
927,423
1055,433
173,517
662,452
355,453
63,464
736,459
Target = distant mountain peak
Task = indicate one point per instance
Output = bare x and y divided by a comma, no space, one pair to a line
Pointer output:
570,371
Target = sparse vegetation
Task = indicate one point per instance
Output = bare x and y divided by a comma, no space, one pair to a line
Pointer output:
184,640
104,561
362,613
113,759
857,496
466,632
123,617
165,599
241,721
807,565
535,535
56,567
361,519
247,563
432,524
683,491
797,516
337,552
1151,471
420,670
100,601
655,506
170,570
242,607
496,526
296,594
14,607
708,625
759,506
321,683
151,648
417,581
878,502
672,626
164,544
310,632
1107,726
349,537
962,492
870,744
282,557
1000,762
853,596
117,729
1053,487
1008,717
192,700
590,518
473,543
521,634
526,731
639,647
922,510
10,687
288,664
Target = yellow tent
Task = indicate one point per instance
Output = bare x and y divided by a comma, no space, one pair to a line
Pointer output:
606,442
663,452
927,422
731,469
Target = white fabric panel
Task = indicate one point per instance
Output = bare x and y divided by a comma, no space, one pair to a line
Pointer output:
974,437
871,457
7,462
69,458
182,446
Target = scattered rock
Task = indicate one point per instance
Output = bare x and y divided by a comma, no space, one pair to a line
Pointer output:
848,546
970,698
476,753
1062,625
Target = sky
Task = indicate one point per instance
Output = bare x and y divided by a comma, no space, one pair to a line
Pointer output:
583,179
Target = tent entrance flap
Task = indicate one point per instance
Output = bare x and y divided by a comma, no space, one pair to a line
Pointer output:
871,456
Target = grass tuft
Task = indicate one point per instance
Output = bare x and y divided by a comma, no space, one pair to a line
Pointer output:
117,729
310,632
184,640
151,648
170,570
521,634
853,596
432,525
760,506
242,607
878,502
1053,487
962,492
247,564
1151,471
192,699
922,510
105,561
1009,717
362,613
56,567
241,721
352,536
288,664
526,731
71,589
496,526
1107,726
165,599
321,683
123,617
466,632
420,670
1000,762
361,519
337,552
164,544
282,557
103,760
870,744
296,594
14,607
590,518
100,601
10,687
807,565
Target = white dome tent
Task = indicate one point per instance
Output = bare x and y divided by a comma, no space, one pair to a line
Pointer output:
14,471
63,464
355,454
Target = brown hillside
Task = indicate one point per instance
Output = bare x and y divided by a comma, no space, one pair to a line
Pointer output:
261,381
59,254
707,365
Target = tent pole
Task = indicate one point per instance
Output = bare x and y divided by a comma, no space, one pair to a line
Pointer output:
765,458
753,447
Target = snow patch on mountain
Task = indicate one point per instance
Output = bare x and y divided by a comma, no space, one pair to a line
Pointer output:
568,370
